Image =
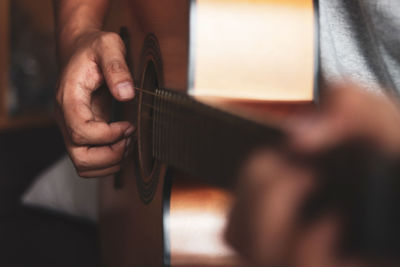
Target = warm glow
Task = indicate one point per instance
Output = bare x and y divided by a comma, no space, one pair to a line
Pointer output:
199,234
247,51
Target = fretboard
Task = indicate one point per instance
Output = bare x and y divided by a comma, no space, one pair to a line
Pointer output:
204,141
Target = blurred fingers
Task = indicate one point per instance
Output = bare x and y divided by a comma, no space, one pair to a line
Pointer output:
265,218
318,244
348,113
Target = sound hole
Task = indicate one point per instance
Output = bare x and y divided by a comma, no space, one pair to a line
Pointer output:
146,121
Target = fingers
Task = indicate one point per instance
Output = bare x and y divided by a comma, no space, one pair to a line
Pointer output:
97,161
279,208
329,126
96,146
99,157
348,114
75,96
79,115
111,59
263,222
100,161
318,243
83,132
100,173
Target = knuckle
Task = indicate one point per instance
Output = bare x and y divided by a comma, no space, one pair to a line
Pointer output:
59,96
58,100
115,66
58,112
111,39
110,36
80,163
75,136
83,175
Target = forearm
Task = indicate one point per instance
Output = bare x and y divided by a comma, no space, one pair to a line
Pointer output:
74,18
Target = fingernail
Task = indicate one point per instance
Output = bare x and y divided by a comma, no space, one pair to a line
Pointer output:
127,150
128,142
129,131
125,90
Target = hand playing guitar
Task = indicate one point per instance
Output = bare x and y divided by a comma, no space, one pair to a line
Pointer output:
267,224
91,60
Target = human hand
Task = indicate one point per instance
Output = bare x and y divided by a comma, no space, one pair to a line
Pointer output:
349,114
267,225
96,61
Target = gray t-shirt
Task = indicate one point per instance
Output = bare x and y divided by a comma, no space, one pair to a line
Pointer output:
360,40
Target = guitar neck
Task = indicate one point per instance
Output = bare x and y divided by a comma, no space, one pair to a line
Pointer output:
204,141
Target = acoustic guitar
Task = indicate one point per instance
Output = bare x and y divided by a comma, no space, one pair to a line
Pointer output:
215,79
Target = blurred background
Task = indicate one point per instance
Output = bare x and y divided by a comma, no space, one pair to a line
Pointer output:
32,150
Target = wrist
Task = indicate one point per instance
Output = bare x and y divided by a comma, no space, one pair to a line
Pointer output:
70,39
74,21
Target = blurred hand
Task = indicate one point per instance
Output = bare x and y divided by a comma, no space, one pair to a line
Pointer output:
349,113
266,224
96,61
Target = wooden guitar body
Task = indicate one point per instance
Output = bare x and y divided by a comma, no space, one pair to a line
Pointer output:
260,54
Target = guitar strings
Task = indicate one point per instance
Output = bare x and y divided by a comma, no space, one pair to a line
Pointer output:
157,108
145,91
174,114
149,93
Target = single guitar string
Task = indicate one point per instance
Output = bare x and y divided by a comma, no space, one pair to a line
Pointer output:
145,91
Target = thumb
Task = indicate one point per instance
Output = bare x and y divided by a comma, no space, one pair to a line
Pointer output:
115,70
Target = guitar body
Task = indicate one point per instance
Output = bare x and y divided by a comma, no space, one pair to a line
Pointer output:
251,51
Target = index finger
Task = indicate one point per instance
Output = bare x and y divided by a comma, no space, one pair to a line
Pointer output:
84,129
